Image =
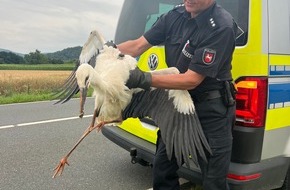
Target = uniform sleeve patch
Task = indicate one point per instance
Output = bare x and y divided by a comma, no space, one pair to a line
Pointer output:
208,56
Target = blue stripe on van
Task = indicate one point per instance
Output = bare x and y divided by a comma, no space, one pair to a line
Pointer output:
279,70
279,95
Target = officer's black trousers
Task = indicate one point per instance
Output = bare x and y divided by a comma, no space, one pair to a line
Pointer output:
217,121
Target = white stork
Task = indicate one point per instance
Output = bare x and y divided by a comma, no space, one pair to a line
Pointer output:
107,70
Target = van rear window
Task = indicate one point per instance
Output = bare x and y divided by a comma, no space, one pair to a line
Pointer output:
137,17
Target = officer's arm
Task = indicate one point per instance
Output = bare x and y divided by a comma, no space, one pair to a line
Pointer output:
184,81
134,47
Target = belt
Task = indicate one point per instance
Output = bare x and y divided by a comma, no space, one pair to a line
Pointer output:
213,94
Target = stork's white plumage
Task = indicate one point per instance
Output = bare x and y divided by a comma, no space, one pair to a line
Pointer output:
108,81
172,110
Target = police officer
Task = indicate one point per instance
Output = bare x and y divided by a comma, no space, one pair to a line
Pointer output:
199,39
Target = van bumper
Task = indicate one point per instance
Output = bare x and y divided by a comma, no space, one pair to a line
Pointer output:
272,171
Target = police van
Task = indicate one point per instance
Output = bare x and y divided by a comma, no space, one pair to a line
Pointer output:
261,72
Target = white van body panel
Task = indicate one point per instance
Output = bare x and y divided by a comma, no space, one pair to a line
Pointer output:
279,26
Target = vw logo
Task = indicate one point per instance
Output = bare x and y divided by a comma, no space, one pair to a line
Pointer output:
152,61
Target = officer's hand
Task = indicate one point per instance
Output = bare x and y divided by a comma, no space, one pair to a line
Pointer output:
139,79
111,44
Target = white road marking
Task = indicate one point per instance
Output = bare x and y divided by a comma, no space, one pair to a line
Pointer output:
36,102
6,126
41,122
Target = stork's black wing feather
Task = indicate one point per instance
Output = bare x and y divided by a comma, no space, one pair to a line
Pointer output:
70,86
181,132
88,55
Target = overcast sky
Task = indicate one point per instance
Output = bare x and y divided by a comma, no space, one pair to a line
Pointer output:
53,25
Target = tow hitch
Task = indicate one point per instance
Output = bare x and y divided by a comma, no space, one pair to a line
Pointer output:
135,159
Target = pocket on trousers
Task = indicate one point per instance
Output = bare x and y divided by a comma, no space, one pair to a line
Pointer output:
220,144
219,162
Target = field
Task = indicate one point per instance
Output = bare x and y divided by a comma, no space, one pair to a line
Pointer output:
29,85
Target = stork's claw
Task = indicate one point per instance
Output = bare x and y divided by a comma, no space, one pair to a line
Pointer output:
59,169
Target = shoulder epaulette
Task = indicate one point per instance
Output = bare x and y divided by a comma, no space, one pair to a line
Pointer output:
179,7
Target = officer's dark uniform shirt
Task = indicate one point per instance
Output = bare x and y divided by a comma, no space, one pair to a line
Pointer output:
206,41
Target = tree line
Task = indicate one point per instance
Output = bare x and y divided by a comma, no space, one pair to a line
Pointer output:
59,57
32,58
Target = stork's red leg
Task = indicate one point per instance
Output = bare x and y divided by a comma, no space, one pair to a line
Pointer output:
59,169
99,127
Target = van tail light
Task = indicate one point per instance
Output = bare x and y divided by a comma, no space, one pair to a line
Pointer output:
244,177
251,101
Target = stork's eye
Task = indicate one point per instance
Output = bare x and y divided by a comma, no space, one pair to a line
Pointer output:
120,56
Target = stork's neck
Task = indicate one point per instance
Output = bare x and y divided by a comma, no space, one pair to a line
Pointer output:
96,80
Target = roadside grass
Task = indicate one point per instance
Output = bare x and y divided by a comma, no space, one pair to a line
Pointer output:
23,97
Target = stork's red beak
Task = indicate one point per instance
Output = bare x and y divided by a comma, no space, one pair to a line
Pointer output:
83,95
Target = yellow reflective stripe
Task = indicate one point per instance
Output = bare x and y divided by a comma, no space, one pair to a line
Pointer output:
272,121
246,63
134,126
279,59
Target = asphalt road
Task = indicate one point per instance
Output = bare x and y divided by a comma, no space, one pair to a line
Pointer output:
35,136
